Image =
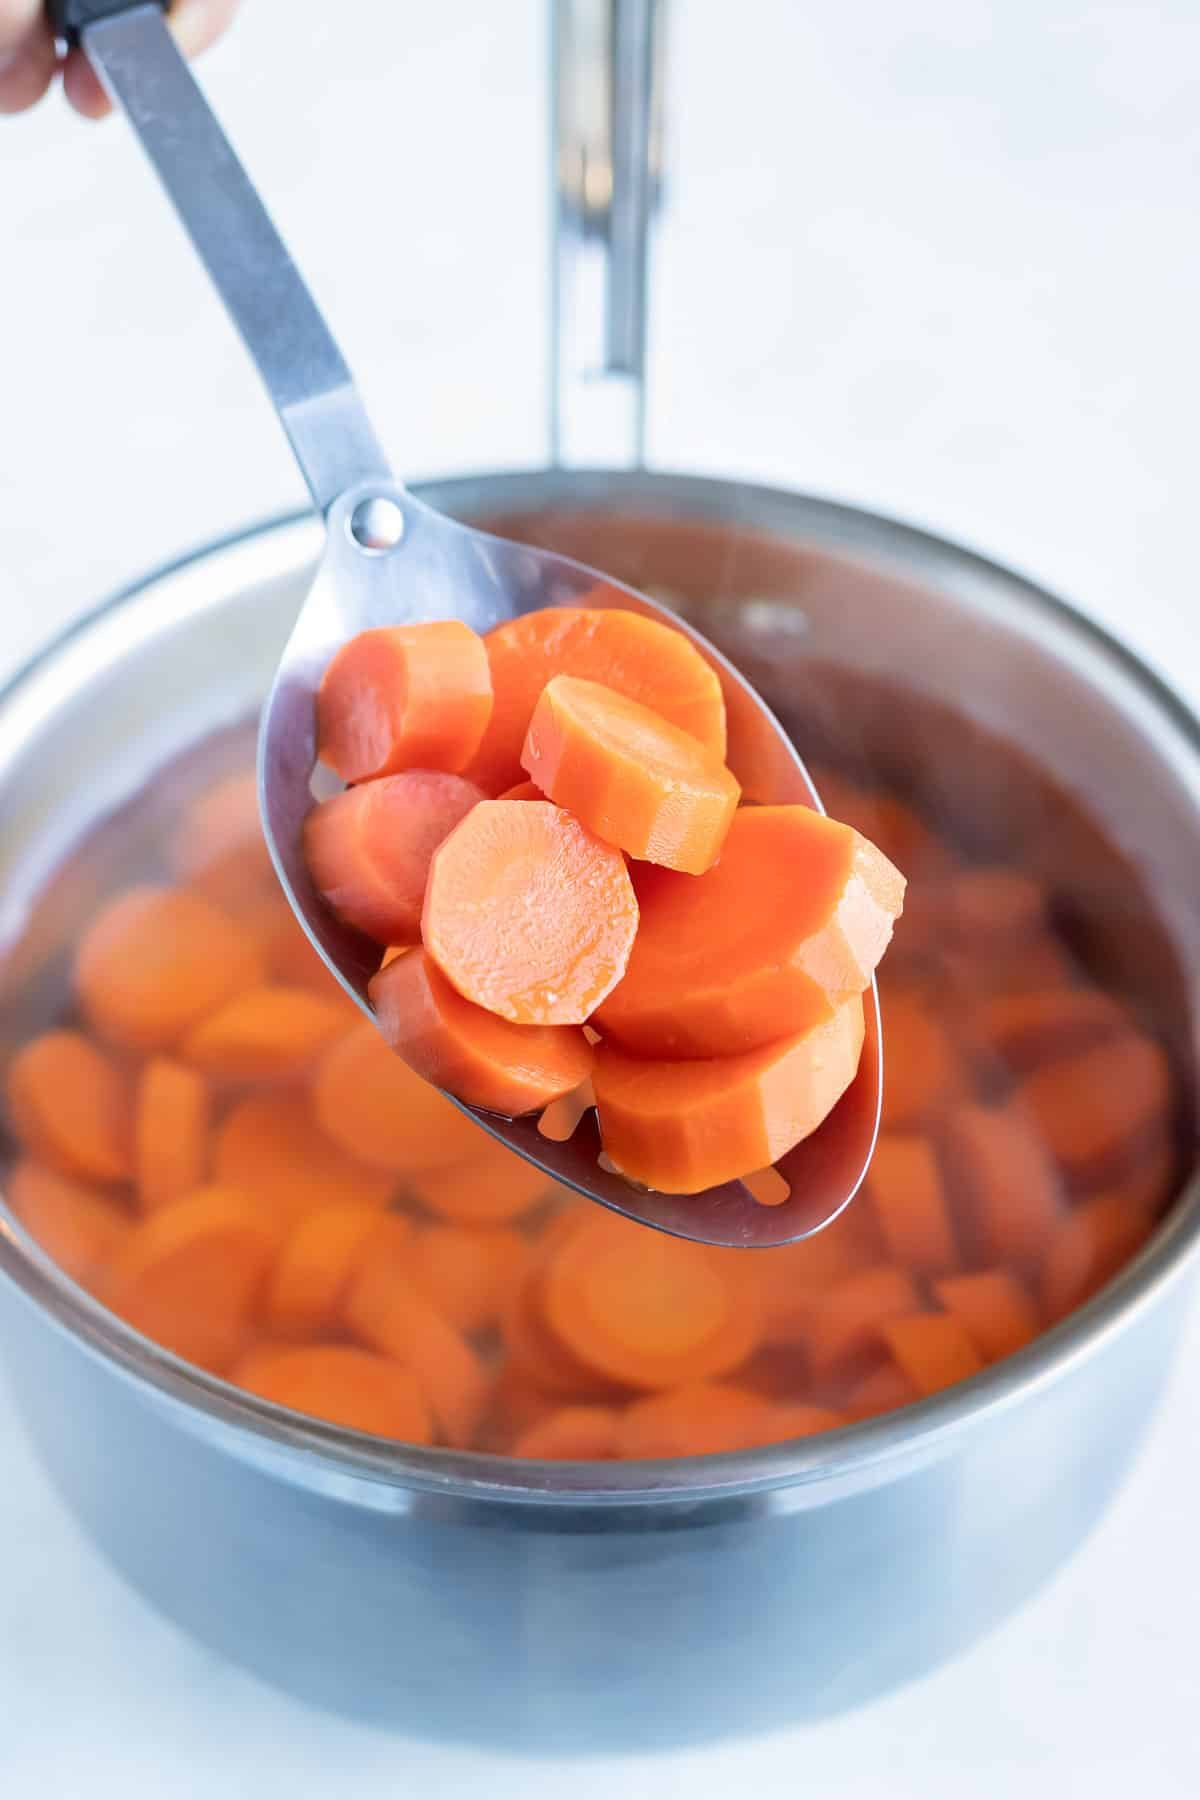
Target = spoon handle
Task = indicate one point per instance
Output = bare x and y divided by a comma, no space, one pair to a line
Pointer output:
306,375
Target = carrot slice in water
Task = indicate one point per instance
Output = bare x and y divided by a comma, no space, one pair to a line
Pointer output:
314,1269
632,778
846,1320
682,1127
883,1390
375,1109
1095,1109
264,1033
404,697
289,957
535,1354
528,914
468,1273
985,907
369,849
219,847
1007,1184
71,1107
794,1276
342,1385
156,961
922,1071
270,1146
571,1434
1089,1247
993,1308
901,833
1028,1029
702,1418
80,1229
932,1349
908,1197
642,658
171,1132
494,1187
749,952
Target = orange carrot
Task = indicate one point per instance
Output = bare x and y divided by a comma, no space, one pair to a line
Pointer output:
932,1349
794,1276
1145,1183
984,907
537,1357
1007,1183
644,659
522,790
798,1418
219,847
342,1385
922,1071
1029,1028
629,776
494,1187
155,961
900,832
685,1126
314,1269
71,1107
404,697
884,1389
171,1132
571,1434
369,849
1090,1245
529,915
270,1146
643,1309
264,1033
1095,1109
846,1320
514,1404
748,953
908,1198
285,949
702,1418
993,1309
468,1273
375,1109
79,1228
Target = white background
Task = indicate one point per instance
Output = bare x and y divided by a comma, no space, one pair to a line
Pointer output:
940,258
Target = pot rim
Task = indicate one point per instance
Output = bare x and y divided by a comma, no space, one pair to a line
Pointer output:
851,1456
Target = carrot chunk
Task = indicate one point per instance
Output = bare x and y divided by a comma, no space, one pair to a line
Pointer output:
172,1120
219,846
1091,1244
635,780
882,1390
155,961
908,1197
466,1272
1093,1110
264,1033
932,1349
369,849
794,1276
342,1385
847,1319
375,1109
644,659
270,1146
81,1229
404,697
571,1434
702,1418
1007,1183
314,1269
993,1308
71,1107
528,914
793,918
922,1071
987,907
537,1357
522,790
1030,1028
685,1126
494,1187
484,1060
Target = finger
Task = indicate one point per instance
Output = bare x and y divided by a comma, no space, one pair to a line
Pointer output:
195,23
27,60
20,20
82,87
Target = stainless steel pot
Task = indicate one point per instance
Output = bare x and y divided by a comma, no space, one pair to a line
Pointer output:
592,1606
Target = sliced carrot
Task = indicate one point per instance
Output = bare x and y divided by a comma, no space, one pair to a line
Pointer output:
685,1126
642,658
908,1197
315,1266
883,1390
155,961
846,1320
1094,1109
571,1434
219,846
1006,1183
468,1273
271,1147
172,1121
993,1308
1145,1184
900,832
635,780
81,1229
537,1357
522,790
342,1385
286,951
71,1107
1030,1028
369,849
932,1349
798,1418
794,1276
970,977
922,1071
749,952
190,1275
985,907
514,1404
1090,1245
404,697
494,1187
643,1309
374,1108
264,1033
703,1418
528,914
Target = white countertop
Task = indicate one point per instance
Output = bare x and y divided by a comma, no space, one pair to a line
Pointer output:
940,259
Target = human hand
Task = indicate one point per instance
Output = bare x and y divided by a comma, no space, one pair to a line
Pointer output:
29,61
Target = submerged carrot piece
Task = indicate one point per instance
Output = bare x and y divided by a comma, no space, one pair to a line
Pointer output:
172,1118
900,832
1090,1245
342,1385
1095,1109
1029,1028
882,1390
846,1320
922,1070
287,953
375,1109
155,961
993,1309
270,1146
908,1198
404,697
932,1349
315,1266
369,849
793,918
1008,1186
482,1059
793,1277
643,659
494,1187
264,1033
571,1434
71,1107
528,914
536,1356
219,847
685,1126
468,1273
632,778
703,1418
988,907
81,1229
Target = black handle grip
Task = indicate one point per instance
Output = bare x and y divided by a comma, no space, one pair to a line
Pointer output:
68,17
